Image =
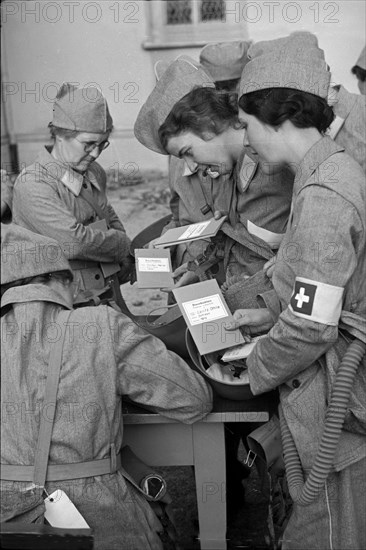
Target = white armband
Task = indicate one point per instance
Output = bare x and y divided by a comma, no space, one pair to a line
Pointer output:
316,301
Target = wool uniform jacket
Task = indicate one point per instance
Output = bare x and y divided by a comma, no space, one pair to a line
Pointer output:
263,203
350,123
195,198
47,201
319,274
105,357
264,200
260,201
348,131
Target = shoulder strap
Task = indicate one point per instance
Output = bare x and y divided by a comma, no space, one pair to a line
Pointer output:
53,377
88,197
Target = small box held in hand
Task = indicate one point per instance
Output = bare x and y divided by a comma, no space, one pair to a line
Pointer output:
153,268
206,314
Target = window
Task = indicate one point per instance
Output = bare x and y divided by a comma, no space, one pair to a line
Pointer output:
179,13
190,23
212,10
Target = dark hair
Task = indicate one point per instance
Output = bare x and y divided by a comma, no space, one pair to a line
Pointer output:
227,85
201,110
276,105
63,132
63,275
359,72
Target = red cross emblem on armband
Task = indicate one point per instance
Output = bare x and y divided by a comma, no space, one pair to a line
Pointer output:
302,299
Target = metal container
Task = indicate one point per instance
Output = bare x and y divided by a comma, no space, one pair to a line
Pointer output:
235,392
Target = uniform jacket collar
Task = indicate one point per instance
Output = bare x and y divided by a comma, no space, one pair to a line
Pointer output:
317,154
62,172
345,101
32,293
245,170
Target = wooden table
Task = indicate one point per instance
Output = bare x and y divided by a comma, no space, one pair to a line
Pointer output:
163,442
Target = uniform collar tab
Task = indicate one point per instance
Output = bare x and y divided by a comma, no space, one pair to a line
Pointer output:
246,172
71,179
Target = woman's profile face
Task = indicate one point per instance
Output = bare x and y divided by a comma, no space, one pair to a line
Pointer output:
213,153
264,141
80,151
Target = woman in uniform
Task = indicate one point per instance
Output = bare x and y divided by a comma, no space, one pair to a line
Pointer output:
318,304
103,357
63,193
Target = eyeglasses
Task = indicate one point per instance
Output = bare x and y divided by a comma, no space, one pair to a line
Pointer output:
89,147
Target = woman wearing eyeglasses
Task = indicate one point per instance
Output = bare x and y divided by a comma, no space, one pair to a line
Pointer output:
63,193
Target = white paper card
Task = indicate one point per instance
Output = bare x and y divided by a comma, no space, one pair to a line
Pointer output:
153,264
204,309
194,230
242,351
61,512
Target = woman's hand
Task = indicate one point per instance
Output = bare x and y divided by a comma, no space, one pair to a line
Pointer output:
186,277
259,320
218,214
127,268
151,243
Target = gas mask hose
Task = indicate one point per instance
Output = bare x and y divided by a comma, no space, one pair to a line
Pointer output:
304,493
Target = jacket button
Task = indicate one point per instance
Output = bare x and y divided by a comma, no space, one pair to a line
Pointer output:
296,383
85,185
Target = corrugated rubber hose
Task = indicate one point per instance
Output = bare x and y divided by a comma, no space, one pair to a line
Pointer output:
301,492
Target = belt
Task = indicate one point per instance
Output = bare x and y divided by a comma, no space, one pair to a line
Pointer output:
62,472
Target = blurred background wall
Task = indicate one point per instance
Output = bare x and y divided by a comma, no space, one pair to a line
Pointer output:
115,45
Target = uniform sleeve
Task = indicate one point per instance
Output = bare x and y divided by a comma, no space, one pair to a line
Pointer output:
38,207
271,301
321,259
155,377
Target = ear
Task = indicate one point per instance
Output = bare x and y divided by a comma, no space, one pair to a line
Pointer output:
207,135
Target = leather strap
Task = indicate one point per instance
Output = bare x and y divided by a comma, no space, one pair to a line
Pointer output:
53,377
88,197
42,471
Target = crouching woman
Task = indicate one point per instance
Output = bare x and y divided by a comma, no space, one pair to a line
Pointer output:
102,357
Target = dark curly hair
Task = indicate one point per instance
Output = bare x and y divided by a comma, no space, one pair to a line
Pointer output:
201,110
359,72
276,105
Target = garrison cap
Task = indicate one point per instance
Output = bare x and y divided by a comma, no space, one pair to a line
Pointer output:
181,76
361,61
82,110
224,60
27,254
294,62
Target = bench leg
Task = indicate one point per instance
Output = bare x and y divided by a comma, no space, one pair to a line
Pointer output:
210,472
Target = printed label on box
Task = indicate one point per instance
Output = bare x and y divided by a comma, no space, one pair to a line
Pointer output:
153,264
204,309
194,230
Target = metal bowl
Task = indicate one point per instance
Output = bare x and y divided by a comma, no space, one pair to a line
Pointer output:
235,392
